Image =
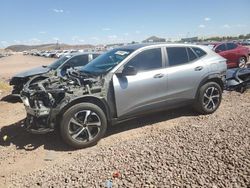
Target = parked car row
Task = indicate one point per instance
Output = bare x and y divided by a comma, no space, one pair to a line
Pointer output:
236,54
121,84
52,53
5,54
245,42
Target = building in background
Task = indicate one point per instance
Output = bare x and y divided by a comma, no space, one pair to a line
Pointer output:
189,40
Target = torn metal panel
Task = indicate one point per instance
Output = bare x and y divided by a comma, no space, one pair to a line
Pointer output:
44,97
238,79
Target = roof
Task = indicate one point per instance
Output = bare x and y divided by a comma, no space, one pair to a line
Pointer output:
83,53
134,46
138,46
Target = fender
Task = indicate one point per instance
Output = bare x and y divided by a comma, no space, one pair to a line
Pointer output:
101,102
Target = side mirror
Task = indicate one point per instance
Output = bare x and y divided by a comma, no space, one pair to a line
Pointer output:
129,71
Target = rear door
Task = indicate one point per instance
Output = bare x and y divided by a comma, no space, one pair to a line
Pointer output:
185,71
144,91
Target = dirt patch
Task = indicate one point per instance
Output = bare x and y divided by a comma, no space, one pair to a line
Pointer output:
4,86
14,64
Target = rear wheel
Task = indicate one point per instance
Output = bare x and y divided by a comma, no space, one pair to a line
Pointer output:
242,62
83,125
209,98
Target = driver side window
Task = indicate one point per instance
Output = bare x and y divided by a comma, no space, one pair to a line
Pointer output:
147,60
79,60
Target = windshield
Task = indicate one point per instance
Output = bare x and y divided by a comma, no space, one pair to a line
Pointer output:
107,61
58,62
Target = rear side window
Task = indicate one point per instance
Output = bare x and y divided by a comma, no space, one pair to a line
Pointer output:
221,48
147,60
191,54
95,55
177,56
199,52
231,46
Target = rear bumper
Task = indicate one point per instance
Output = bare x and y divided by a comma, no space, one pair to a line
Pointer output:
224,81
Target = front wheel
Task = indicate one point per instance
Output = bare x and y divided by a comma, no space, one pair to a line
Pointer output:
209,98
83,125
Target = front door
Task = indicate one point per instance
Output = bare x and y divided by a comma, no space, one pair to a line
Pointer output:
145,90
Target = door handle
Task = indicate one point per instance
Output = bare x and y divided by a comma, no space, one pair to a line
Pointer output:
199,68
158,75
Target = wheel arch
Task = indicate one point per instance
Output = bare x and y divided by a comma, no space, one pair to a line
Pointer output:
89,99
245,56
212,78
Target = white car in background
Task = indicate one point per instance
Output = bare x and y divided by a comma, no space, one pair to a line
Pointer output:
62,53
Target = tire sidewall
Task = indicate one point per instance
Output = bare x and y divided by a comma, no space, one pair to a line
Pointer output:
202,90
64,129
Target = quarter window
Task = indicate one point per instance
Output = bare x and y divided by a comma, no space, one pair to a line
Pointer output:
231,46
191,55
199,52
147,60
177,56
221,48
95,55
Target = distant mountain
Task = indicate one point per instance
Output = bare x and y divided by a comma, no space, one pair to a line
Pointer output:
20,48
154,39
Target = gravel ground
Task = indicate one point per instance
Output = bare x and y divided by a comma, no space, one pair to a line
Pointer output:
168,149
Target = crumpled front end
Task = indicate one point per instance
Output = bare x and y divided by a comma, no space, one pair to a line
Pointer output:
41,103
44,97
17,83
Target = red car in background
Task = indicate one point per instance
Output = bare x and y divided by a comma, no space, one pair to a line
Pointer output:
236,55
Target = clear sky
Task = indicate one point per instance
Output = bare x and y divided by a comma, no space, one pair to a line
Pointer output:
109,21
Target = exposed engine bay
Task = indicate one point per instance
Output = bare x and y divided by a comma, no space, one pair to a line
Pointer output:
44,97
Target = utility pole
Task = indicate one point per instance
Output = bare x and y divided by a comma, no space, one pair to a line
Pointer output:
57,45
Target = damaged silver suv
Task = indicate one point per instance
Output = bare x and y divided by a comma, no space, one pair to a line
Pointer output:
121,84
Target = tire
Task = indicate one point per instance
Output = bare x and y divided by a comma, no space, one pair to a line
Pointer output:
83,125
242,62
209,98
